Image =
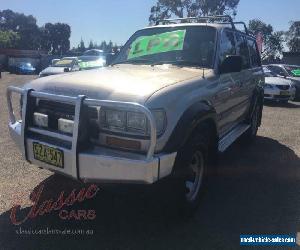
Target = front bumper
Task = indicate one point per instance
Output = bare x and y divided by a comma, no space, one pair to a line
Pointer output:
99,164
276,94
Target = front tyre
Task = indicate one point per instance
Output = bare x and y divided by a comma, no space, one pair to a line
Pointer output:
194,177
191,171
251,133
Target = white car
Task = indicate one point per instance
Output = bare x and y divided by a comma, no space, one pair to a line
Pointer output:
277,88
64,65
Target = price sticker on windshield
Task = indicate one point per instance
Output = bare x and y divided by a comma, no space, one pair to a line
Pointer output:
155,44
296,72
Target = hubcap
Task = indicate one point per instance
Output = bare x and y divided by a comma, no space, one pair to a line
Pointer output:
194,180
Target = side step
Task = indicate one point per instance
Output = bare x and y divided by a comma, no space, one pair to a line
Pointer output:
232,136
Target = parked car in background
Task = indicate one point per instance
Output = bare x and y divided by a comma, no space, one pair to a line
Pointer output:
66,64
278,88
291,72
92,59
25,68
54,61
23,65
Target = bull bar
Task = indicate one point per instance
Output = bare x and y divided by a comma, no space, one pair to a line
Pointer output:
100,164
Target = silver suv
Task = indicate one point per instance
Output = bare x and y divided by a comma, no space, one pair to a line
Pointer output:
177,93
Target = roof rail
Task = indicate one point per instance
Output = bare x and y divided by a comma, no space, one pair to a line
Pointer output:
206,18
245,26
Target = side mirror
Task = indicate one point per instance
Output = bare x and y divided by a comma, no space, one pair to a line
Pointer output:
231,64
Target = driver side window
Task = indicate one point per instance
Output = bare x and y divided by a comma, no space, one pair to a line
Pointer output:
227,46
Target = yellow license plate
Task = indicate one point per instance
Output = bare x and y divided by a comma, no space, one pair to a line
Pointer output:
49,155
284,92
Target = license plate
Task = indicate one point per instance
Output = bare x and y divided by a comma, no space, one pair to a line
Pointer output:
284,92
49,155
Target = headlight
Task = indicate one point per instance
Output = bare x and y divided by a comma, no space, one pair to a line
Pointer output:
131,122
115,118
136,121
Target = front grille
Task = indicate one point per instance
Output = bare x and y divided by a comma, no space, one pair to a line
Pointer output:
88,126
56,109
283,87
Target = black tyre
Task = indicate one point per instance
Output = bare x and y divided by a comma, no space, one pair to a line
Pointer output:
191,170
254,123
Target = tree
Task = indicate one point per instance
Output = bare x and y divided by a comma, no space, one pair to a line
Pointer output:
9,39
56,38
91,45
103,46
25,26
81,46
293,37
52,37
273,41
191,8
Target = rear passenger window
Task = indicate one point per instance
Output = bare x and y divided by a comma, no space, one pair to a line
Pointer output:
242,50
227,45
254,54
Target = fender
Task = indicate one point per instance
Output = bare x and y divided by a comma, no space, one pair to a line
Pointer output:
191,118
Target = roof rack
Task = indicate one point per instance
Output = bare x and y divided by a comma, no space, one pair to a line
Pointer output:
228,20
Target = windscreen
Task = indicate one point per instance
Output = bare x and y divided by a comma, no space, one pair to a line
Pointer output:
184,45
64,63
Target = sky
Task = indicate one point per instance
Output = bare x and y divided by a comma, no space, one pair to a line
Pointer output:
117,20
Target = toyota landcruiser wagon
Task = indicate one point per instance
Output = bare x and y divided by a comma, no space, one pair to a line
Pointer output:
178,93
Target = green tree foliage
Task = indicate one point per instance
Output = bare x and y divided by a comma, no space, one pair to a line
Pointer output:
9,39
293,37
81,46
191,8
105,46
53,38
91,45
56,38
273,41
24,26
